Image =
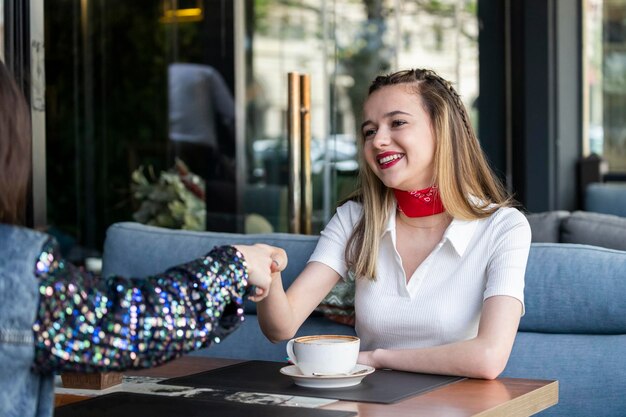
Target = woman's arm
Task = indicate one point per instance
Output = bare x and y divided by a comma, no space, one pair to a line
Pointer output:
89,324
282,313
484,356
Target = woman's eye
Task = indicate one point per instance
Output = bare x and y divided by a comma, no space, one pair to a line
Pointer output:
369,132
397,123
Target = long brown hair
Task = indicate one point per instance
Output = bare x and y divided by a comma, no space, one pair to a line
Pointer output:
468,187
15,145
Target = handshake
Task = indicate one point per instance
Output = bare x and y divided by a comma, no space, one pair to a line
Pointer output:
263,261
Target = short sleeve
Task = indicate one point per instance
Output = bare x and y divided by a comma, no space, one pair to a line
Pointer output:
330,249
508,255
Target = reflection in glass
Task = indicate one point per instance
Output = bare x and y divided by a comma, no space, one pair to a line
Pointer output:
605,81
201,112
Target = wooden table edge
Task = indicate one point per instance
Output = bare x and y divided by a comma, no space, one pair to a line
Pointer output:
527,404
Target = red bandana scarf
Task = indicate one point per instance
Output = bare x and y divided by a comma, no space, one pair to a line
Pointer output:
419,203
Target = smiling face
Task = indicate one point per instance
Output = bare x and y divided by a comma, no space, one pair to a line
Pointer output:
399,145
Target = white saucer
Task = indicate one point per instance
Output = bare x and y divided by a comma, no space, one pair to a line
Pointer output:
327,381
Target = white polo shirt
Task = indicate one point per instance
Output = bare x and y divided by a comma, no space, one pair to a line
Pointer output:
442,301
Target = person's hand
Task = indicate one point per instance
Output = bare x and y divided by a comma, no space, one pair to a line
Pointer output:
263,261
366,357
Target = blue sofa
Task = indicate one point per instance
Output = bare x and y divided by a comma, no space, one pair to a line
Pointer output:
574,329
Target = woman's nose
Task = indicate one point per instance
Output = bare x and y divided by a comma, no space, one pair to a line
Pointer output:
382,138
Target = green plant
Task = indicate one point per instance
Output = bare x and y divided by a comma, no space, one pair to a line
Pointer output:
175,199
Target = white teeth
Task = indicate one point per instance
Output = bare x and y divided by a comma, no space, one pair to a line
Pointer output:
390,158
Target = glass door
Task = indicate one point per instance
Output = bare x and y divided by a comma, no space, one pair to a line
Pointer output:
284,38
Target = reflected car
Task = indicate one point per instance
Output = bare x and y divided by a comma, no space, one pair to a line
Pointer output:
340,151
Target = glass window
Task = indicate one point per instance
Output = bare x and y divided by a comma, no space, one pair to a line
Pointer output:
605,81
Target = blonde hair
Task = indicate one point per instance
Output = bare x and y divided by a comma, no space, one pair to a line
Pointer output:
468,187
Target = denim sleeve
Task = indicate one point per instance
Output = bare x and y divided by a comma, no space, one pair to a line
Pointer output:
88,324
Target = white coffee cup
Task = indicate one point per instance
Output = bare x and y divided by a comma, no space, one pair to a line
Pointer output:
324,354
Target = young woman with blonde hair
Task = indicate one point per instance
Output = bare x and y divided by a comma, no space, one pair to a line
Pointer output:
437,251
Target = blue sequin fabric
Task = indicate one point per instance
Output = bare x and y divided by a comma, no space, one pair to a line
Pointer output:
88,324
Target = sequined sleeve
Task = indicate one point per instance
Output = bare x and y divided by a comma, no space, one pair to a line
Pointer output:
88,324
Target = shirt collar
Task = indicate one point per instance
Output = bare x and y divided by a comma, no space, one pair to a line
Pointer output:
459,233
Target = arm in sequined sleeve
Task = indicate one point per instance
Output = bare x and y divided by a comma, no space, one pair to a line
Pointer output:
87,324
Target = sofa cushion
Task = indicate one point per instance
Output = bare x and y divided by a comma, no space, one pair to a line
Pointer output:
595,229
591,371
546,226
136,250
338,305
575,289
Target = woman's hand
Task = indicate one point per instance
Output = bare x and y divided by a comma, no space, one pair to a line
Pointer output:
366,357
263,261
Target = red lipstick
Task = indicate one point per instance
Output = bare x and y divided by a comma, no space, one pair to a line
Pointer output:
388,159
